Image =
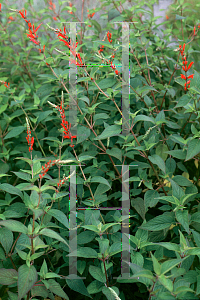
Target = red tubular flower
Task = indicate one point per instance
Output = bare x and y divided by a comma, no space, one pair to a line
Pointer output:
47,167
190,65
191,76
183,76
194,30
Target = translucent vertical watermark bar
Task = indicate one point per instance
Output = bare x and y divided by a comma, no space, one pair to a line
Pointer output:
125,222
72,81
72,223
125,79
125,271
73,226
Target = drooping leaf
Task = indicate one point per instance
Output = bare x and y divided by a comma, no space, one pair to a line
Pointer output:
97,273
54,235
15,226
7,276
78,286
113,130
60,216
55,288
6,238
158,223
193,149
26,279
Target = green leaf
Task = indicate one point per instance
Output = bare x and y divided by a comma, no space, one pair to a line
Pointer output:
150,198
169,264
55,288
43,269
169,246
91,227
15,132
85,237
81,264
111,293
116,152
115,248
193,149
113,130
50,275
106,226
27,277
167,283
22,254
82,133
184,100
95,287
60,216
182,217
157,160
15,226
139,206
97,273
161,151
182,181
144,118
22,175
54,235
100,179
84,252
7,276
78,286
158,223
180,154
156,265
103,245
11,189
6,239
107,82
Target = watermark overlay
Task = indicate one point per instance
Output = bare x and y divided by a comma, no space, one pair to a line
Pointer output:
125,208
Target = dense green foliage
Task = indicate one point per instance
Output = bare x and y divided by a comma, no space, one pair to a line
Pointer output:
161,149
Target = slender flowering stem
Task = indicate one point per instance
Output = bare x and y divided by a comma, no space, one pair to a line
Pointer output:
185,68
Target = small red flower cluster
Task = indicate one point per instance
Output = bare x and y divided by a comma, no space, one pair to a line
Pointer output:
70,12
101,49
10,18
30,141
109,35
31,35
67,43
61,181
5,83
46,169
109,62
91,15
66,132
28,138
52,7
185,68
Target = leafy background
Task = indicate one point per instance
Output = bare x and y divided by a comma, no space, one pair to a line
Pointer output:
162,152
